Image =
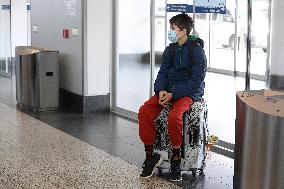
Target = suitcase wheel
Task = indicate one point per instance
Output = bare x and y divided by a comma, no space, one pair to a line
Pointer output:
194,173
160,171
201,173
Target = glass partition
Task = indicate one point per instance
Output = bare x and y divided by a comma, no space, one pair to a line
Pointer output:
133,72
259,36
225,48
5,37
259,32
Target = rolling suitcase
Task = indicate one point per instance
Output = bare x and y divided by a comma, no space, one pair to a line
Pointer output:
195,138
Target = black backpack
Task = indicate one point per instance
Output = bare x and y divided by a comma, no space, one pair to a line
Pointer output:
194,41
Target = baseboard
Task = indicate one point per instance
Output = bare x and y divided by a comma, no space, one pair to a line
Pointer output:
97,103
83,104
276,82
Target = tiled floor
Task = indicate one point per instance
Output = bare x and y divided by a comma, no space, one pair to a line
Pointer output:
35,155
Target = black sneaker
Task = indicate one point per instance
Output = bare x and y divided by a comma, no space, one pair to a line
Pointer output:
175,174
149,165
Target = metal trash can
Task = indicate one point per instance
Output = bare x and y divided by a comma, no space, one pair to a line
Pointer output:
259,140
37,84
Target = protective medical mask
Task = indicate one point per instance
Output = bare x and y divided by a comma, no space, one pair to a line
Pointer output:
172,36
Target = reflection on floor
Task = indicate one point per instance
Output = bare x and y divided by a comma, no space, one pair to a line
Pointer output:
34,155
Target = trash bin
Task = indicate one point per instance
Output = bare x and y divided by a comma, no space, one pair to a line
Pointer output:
259,140
37,85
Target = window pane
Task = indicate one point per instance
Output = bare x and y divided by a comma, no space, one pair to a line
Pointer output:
5,45
134,54
259,37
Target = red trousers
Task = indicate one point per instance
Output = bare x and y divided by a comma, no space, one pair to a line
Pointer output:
150,111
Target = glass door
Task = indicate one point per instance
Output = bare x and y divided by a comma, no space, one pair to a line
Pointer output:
5,38
259,33
133,49
225,47
141,40
227,55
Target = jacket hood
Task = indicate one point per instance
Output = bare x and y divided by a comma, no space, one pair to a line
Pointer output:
197,39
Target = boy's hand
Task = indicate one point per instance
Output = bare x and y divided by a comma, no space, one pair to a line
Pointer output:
162,96
164,101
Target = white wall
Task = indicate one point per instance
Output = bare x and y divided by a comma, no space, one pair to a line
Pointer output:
50,17
99,39
134,26
277,40
19,24
94,44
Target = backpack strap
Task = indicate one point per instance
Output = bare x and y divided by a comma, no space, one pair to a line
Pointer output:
191,49
194,42
171,53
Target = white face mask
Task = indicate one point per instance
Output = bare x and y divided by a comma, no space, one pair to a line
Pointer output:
172,36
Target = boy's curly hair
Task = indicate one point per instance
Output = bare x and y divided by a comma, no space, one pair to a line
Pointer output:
182,21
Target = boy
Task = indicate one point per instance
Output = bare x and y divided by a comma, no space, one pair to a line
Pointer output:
180,81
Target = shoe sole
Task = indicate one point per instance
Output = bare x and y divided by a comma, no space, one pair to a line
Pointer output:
157,164
176,180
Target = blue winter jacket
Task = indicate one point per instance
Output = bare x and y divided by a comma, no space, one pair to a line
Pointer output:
174,77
